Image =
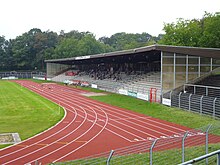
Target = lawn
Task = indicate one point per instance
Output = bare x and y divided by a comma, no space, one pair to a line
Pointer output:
174,115
25,112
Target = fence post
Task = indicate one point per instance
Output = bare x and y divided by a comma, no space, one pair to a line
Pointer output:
179,98
201,104
171,94
151,151
213,114
207,141
190,101
109,157
218,159
183,146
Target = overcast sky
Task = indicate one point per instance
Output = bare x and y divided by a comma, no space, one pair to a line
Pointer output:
101,17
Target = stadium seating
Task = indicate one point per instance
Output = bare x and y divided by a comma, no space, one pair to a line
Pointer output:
136,82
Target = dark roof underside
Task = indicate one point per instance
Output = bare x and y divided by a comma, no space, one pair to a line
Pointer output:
134,55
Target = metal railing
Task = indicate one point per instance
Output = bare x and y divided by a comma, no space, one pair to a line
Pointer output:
196,103
202,90
174,149
204,157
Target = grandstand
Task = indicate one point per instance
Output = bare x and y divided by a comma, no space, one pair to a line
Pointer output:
156,73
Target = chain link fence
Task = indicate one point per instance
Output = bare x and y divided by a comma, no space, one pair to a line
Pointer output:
175,149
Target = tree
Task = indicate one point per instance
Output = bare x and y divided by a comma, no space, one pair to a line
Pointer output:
28,50
210,30
3,53
73,46
122,41
184,32
203,32
67,47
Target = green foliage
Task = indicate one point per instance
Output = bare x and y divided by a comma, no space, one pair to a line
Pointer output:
211,31
3,52
30,49
79,44
203,32
123,41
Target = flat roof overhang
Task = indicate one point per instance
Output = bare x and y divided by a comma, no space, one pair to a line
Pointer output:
144,51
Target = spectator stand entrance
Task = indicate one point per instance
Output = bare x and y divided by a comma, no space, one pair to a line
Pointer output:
155,73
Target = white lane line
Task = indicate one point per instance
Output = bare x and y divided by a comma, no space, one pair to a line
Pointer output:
77,102
39,158
40,140
136,129
42,133
121,113
48,144
100,132
128,118
106,122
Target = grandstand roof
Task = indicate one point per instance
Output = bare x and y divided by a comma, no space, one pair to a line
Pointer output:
196,51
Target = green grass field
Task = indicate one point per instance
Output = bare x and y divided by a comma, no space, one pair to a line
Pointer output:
174,115
25,112
168,157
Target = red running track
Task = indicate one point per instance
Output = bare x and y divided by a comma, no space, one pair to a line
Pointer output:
89,127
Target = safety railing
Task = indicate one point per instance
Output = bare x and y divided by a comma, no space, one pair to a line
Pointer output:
175,149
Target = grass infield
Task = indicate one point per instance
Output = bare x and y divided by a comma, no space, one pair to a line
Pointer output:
25,112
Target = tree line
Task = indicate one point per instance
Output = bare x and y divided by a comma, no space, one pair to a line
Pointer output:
29,50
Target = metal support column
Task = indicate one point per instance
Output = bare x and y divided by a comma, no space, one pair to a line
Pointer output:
199,69
183,146
109,157
161,75
201,104
180,99
174,70
213,113
207,142
218,159
187,68
151,151
190,101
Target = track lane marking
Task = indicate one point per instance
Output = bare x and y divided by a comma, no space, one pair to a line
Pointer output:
42,147
120,110
57,95
68,143
149,118
106,122
27,146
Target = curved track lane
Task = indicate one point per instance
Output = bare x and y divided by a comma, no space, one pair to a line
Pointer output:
89,127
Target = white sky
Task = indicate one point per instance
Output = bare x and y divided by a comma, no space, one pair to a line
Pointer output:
101,17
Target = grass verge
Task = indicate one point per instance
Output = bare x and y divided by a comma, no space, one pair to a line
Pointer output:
168,157
174,115
25,112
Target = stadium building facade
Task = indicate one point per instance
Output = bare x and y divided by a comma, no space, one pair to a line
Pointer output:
177,65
